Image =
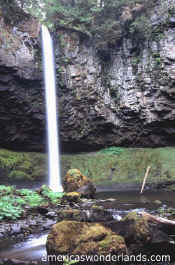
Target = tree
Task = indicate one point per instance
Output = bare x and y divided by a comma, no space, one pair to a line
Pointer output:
11,11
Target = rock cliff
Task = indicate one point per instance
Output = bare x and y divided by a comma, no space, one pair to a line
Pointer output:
22,116
123,95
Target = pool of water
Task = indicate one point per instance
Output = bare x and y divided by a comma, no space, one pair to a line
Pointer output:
120,203
31,249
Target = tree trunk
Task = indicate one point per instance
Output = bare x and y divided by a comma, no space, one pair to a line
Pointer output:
157,219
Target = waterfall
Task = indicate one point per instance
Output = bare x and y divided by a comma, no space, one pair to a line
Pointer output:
51,111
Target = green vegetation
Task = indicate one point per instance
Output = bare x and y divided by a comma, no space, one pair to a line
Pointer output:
113,150
124,165
13,202
105,22
54,197
5,190
8,210
18,165
67,262
108,166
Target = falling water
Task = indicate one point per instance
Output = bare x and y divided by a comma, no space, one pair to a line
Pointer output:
52,121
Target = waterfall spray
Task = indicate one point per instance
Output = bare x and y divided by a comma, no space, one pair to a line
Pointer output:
51,111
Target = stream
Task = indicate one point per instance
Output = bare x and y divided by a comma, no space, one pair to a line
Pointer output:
34,247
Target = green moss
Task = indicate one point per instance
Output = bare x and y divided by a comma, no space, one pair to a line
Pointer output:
74,172
106,242
71,196
127,166
85,239
26,165
138,226
17,174
8,158
19,165
171,187
113,150
109,240
132,216
111,165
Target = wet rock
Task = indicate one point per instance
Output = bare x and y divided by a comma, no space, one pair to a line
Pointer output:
51,214
158,202
172,21
71,214
71,197
76,238
159,237
166,185
23,228
138,230
47,224
94,214
42,210
133,108
99,214
74,181
17,262
16,228
87,190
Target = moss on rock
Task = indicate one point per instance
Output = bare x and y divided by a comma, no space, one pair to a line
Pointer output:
107,167
75,181
70,214
124,165
19,165
72,237
17,174
137,228
71,197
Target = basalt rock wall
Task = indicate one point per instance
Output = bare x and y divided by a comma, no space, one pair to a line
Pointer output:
121,96
22,118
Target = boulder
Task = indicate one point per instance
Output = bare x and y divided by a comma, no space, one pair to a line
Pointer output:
93,214
71,214
74,181
138,230
83,238
71,197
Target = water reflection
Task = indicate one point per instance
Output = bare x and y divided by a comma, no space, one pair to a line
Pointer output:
32,249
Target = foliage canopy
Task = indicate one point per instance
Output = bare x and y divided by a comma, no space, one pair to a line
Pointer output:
100,19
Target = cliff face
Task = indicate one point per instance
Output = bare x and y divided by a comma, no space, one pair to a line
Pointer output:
125,96
21,97
121,96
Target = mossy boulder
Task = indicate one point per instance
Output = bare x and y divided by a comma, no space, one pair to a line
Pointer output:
82,238
74,181
138,230
93,214
71,214
71,197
